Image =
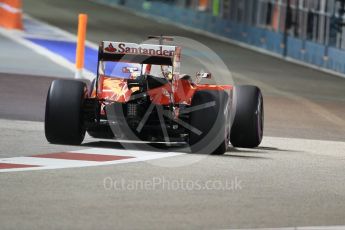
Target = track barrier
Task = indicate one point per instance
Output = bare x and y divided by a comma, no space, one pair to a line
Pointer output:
271,40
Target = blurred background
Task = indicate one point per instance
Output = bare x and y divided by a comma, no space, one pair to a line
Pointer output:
319,21
310,31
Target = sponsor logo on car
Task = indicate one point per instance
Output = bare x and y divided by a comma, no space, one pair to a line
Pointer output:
137,49
110,48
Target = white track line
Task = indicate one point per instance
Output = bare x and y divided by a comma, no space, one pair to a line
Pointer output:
122,152
46,162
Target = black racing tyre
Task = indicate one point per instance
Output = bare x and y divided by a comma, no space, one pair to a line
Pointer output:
64,116
212,121
248,117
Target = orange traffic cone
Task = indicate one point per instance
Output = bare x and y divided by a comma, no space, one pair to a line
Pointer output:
11,14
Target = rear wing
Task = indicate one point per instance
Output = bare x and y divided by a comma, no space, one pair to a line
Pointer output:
138,53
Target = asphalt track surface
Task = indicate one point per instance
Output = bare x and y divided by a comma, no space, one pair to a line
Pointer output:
296,177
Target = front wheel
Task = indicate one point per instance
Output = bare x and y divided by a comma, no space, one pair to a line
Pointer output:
64,116
248,117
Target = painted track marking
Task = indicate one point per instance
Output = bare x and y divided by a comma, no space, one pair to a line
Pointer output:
82,156
13,166
79,158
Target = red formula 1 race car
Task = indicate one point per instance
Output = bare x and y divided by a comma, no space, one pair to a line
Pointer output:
139,94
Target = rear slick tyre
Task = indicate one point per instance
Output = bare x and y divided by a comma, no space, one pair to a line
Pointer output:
248,117
64,112
212,122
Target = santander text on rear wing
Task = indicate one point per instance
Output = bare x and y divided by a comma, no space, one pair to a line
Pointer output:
139,53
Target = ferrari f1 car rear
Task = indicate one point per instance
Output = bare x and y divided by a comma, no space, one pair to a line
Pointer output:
139,93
